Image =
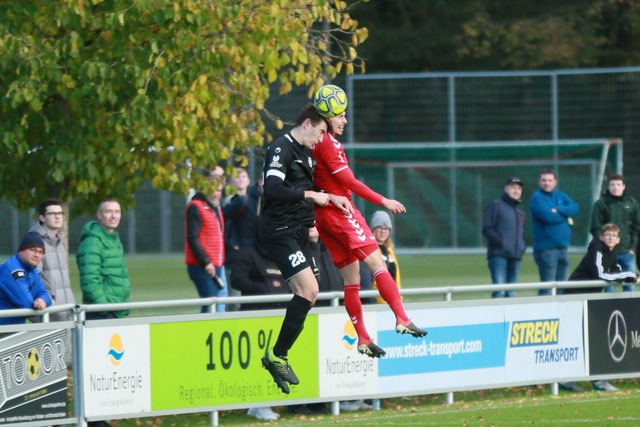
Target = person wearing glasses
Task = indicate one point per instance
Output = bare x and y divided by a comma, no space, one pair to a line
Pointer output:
600,262
54,267
20,283
618,207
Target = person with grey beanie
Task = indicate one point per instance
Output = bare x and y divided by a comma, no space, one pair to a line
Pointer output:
381,227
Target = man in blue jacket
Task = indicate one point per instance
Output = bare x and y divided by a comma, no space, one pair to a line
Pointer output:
552,212
20,283
503,226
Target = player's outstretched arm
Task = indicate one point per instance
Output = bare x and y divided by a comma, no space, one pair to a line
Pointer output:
393,205
346,178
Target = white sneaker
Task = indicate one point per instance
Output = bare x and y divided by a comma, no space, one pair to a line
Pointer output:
603,385
349,406
265,414
362,405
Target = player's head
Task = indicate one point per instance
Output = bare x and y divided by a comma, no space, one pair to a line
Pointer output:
338,123
310,126
309,112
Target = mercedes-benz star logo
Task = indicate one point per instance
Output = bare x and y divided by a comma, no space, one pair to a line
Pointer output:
617,336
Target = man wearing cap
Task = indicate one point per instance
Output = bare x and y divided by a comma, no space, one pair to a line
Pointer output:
20,283
503,226
552,212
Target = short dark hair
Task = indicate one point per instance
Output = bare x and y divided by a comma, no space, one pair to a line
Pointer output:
42,209
547,171
310,112
616,177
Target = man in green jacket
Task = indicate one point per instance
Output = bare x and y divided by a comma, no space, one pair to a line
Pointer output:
616,207
104,278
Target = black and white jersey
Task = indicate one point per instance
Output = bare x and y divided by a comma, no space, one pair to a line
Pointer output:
288,173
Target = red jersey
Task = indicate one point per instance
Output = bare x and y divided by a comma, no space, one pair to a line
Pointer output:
333,175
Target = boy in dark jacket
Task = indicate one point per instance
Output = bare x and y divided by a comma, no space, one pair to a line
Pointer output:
600,262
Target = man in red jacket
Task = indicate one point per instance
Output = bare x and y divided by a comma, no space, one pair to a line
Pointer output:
204,242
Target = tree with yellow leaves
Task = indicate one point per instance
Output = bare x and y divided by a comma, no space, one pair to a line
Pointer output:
99,96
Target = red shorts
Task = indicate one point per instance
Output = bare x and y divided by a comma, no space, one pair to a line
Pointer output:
347,237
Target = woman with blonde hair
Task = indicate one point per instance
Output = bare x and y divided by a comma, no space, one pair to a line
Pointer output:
381,227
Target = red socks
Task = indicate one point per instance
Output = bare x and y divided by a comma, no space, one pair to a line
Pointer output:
353,305
389,292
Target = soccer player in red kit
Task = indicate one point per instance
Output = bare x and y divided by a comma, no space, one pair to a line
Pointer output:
349,239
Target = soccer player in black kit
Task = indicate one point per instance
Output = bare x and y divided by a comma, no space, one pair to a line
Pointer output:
284,229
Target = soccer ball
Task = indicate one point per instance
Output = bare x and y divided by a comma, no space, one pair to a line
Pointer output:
33,363
330,100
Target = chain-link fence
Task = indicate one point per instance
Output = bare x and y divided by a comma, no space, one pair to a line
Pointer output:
427,108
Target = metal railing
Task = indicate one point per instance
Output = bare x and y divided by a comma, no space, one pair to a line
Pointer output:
446,294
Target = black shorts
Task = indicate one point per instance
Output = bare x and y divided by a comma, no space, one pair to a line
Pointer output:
289,249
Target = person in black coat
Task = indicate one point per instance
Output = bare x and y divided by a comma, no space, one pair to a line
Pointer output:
329,278
601,262
256,274
503,226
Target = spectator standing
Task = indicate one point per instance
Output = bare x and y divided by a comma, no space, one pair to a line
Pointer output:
240,216
54,268
284,230
381,227
104,278
600,262
204,243
552,212
617,207
20,283
503,226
